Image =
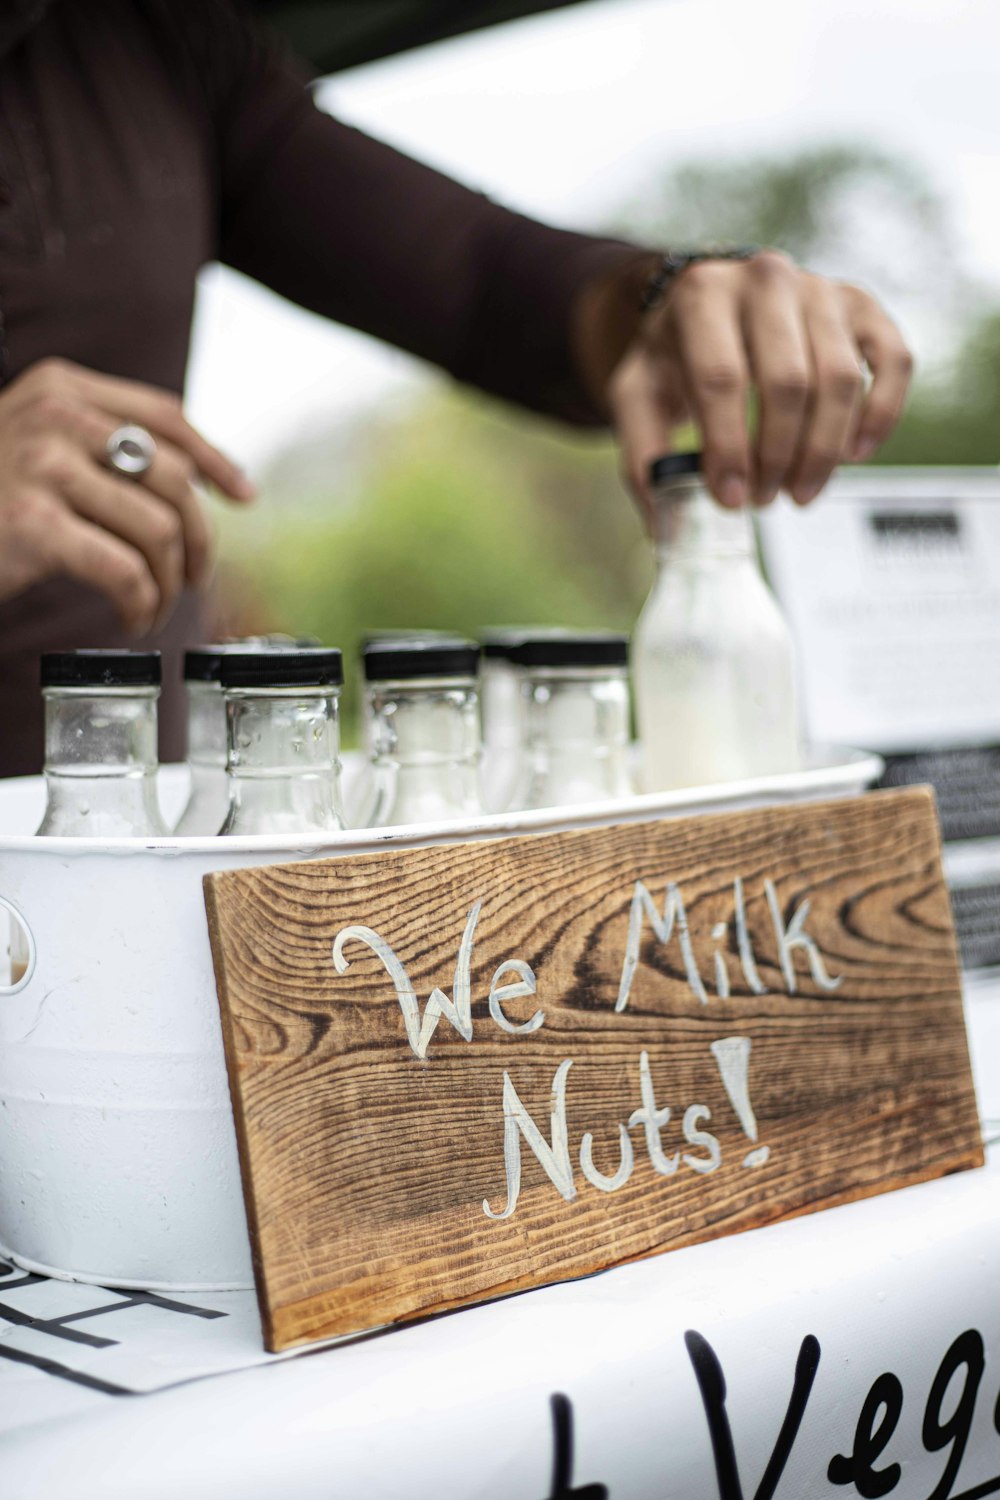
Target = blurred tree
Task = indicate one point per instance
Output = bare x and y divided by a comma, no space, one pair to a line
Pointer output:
465,516
846,210
955,417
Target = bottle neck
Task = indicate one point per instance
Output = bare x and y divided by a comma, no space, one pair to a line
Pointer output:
425,742
576,736
101,762
691,526
282,760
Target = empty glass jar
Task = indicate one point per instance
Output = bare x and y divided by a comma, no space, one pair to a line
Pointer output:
283,741
208,800
575,699
423,703
100,744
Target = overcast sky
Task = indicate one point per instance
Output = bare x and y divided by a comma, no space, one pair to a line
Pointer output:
567,116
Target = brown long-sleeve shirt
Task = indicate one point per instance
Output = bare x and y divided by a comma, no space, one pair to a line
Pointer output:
140,139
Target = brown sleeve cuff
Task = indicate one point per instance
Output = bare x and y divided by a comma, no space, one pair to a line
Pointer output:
554,312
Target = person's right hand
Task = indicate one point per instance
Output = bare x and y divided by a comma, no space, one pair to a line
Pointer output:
64,512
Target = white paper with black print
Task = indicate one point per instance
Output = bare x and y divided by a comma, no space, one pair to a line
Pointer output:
891,583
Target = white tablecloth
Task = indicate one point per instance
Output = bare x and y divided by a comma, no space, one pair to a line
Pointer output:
560,1391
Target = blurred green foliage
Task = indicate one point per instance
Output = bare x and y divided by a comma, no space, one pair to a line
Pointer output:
470,516
458,513
845,209
955,418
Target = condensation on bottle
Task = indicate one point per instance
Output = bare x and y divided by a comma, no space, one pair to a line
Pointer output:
100,744
713,657
282,740
423,706
575,704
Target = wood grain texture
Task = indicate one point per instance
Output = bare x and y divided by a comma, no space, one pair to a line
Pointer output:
366,1166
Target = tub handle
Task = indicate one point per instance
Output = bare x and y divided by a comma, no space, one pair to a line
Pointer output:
17,949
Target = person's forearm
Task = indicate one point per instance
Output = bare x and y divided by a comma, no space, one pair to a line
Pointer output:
553,312
604,321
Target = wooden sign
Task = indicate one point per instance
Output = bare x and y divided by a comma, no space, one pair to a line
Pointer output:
464,1069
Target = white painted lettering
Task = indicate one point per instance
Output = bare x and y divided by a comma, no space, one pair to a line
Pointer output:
793,936
623,1171
748,963
457,1012
732,1054
719,934
526,985
652,1121
695,1137
642,906
554,1157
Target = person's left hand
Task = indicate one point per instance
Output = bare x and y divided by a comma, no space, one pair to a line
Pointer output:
805,345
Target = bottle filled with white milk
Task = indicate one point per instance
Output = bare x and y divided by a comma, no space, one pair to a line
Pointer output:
712,655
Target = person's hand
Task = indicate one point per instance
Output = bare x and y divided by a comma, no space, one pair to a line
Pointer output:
828,367
64,512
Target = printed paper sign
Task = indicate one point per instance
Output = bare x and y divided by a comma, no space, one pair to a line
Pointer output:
892,586
891,582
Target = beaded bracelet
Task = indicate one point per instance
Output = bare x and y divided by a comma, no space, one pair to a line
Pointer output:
676,261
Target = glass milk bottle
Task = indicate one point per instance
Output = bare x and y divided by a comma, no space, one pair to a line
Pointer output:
503,714
360,792
100,744
575,698
381,638
283,740
208,801
423,700
713,657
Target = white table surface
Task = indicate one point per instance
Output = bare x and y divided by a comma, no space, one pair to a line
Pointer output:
461,1406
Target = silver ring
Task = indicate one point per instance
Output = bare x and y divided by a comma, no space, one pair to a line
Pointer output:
130,450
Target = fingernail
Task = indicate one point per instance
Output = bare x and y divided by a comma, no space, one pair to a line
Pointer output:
245,487
766,493
863,450
732,491
803,493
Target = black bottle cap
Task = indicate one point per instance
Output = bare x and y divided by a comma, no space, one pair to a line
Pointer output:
673,465
500,640
204,663
100,669
572,648
313,666
389,660
393,637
